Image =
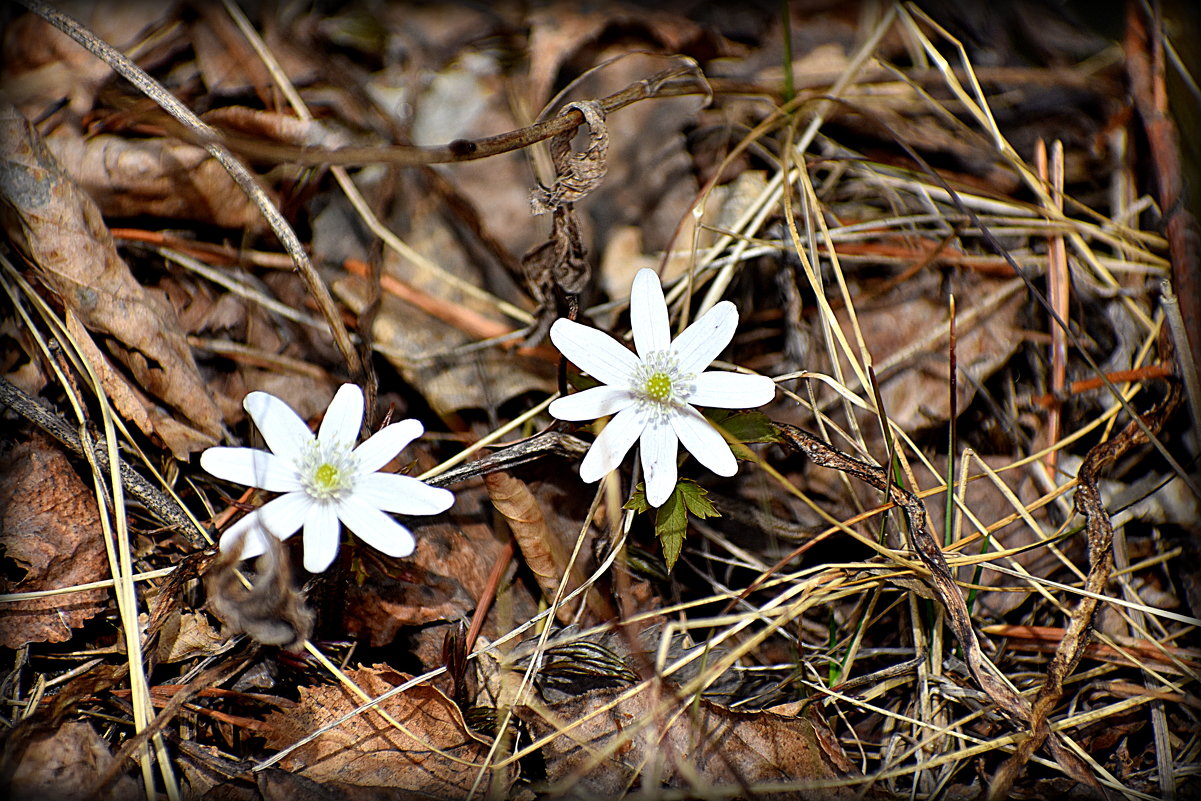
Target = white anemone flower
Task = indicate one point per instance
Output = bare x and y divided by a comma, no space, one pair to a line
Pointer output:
653,393
325,480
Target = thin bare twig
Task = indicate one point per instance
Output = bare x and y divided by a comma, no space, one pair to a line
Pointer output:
673,82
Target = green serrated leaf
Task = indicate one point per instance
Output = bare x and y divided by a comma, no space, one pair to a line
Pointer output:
696,499
637,501
744,427
671,523
748,426
671,519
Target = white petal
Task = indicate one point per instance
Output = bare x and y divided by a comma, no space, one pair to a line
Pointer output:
283,516
283,430
591,403
403,494
658,446
708,336
704,442
321,534
384,444
732,390
594,352
252,467
343,418
648,313
375,528
612,445
249,534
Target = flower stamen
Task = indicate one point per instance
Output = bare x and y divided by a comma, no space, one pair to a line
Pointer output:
327,473
658,387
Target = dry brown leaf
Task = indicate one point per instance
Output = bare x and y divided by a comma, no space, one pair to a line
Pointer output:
559,30
442,580
124,396
915,392
42,66
380,603
479,380
130,402
544,551
704,745
229,65
439,757
50,527
60,230
188,635
226,62
157,177
241,121
64,766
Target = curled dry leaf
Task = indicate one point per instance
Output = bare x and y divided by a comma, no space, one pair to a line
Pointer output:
436,757
158,177
577,174
556,273
49,527
63,765
601,741
544,551
60,231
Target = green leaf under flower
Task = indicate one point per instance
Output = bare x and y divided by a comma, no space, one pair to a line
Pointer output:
743,427
671,519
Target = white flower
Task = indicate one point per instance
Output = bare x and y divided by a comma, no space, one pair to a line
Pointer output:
652,393
325,480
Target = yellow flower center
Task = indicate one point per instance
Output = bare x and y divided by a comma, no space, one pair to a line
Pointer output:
326,477
658,387
327,471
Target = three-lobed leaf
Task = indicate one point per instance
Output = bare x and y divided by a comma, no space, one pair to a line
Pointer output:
671,519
